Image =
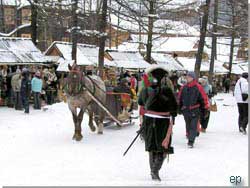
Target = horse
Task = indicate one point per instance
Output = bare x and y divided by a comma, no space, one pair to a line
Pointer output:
77,87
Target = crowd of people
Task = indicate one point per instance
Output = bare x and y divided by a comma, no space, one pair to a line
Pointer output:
20,86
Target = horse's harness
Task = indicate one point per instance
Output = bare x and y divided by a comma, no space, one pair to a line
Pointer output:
81,83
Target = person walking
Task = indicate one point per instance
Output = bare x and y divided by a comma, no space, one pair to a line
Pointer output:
160,105
36,87
241,96
204,118
25,90
192,101
16,87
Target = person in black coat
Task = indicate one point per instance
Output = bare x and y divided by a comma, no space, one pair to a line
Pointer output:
160,106
124,88
192,101
25,90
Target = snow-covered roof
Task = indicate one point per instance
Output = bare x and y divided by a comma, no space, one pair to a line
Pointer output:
238,67
160,26
175,44
15,30
161,44
20,51
167,60
185,4
175,27
19,3
128,59
86,54
189,64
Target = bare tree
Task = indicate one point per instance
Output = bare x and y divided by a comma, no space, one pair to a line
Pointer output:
74,30
103,36
214,42
150,29
144,13
238,12
203,31
34,14
2,27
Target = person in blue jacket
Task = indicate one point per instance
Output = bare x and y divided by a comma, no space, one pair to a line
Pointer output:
36,87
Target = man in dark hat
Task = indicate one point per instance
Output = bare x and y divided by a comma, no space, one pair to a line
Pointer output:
192,101
241,96
25,89
160,105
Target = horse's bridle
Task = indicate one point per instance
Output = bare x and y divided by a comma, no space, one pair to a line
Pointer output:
81,81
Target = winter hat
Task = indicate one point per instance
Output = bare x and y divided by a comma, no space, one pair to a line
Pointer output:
205,77
245,75
25,70
191,74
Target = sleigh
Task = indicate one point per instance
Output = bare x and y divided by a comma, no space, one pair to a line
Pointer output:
119,104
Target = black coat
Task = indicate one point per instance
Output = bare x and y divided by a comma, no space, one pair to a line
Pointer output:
25,87
155,129
192,99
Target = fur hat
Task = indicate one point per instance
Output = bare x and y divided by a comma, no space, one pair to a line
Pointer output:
191,74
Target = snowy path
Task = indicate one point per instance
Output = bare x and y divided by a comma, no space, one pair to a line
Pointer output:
37,149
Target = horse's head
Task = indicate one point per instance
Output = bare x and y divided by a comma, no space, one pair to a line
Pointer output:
75,82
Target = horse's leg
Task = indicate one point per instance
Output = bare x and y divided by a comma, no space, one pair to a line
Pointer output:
78,129
100,122
79,123
75,136
91,115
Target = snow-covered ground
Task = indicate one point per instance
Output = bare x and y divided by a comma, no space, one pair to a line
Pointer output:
37,149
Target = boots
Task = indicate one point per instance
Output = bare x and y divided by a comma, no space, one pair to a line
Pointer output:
155,160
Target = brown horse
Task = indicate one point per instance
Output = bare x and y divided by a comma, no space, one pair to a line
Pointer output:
77,87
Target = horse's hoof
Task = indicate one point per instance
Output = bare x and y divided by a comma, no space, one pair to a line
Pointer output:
92,128
100,132
77,137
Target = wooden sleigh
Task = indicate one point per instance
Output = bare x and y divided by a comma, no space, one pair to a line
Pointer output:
119,105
